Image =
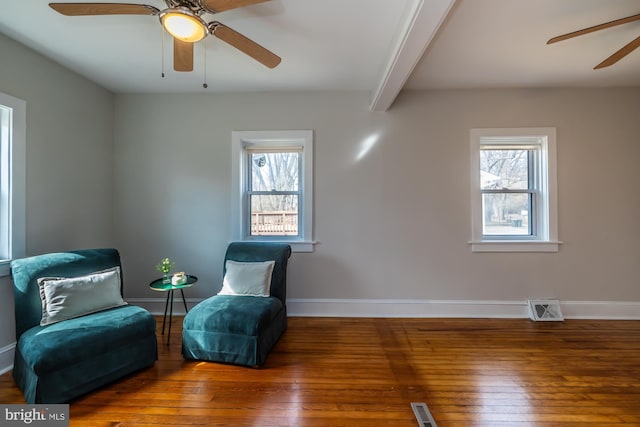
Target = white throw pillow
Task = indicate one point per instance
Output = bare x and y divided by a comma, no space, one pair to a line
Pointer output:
66,298
247,278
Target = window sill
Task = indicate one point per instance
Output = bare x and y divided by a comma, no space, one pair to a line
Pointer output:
296,245
515,246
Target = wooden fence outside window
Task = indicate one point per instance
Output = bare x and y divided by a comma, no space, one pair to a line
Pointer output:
275,223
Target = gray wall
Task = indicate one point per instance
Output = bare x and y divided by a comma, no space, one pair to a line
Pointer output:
393,223
69,160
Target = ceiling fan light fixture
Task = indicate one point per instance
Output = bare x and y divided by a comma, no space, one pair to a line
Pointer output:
183,24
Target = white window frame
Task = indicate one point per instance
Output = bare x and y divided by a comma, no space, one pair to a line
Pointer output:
241,141
13,125
544,212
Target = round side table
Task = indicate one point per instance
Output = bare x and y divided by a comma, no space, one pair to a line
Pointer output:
158,285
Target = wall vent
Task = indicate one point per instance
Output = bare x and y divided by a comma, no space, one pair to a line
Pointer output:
545,310
422,414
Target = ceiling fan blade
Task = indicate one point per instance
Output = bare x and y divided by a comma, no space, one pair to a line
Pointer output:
222,5
595,28
79,9
182,55
624,51
244,44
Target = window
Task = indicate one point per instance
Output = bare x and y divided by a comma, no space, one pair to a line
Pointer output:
273,192
12,179
513,190
272,180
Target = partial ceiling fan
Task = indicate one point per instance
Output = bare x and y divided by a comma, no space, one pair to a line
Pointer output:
617,56
183,20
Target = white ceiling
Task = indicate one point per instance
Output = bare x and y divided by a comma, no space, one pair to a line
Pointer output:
369,45
325,45
502,43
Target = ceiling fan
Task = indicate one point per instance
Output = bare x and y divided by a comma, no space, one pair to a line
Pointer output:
183,20
618,55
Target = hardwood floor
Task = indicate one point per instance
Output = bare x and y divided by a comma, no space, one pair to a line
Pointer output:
365,372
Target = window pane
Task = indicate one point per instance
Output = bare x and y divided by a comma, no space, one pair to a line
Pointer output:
508,169
274,215
274,171
506,214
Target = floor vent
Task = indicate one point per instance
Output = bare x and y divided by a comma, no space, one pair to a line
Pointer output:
542,310
422,414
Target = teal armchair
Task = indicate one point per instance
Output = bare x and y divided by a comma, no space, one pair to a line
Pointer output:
61,360
242,329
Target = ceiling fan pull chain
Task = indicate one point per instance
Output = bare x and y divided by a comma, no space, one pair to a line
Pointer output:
204,45
162,30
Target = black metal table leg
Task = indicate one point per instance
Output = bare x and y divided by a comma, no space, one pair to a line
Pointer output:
164,318
186,310
170,316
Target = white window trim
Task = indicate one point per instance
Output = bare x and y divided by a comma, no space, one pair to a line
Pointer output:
547,239
13,183
241,140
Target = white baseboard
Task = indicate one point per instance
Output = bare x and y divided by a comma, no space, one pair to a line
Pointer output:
405,308
320,307
606,310
6,357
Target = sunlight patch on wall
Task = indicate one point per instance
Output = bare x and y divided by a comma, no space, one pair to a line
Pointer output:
366,145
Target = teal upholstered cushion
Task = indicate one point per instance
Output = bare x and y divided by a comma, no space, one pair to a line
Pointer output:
66,298
233,329
53,347
227,347
233,314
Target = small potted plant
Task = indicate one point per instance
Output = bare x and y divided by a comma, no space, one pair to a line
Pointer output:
165,266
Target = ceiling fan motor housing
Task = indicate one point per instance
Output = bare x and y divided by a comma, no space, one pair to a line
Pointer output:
184,24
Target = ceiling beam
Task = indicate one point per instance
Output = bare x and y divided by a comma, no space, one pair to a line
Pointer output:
415,34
